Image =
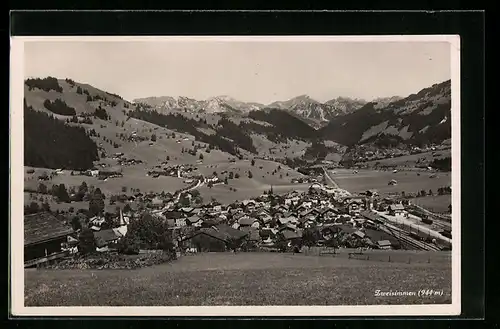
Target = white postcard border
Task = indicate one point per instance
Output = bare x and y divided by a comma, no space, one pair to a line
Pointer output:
17,184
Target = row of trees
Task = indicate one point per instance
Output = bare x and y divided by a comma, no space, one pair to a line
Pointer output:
46,84
59,107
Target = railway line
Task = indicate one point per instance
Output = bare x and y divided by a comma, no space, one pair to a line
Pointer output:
406,239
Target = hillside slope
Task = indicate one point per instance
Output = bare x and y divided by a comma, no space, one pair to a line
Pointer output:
418,119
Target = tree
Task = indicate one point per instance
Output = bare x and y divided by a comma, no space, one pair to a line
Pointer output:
250,175
253,162
310,237
96,203
236,175
430,192
281,243
127,208
129,245
42,188
62,194
153,138
83,189
184,201
151,233
32,208
201,156
124,189
225,181
79,90
87,242
75,223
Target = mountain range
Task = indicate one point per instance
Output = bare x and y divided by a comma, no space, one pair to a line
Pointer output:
420,118
304,106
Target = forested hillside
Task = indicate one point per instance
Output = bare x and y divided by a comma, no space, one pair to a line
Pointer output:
51,143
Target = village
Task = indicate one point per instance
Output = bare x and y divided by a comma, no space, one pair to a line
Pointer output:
323,216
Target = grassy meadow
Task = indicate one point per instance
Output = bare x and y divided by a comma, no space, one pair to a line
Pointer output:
241,279
407,181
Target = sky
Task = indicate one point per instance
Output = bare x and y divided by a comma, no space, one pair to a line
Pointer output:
251,71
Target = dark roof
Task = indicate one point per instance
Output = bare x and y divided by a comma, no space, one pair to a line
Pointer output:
287,234
43,226
173,214
221,232
103,237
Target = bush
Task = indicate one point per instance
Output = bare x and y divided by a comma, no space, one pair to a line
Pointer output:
128,246
32,208
101,113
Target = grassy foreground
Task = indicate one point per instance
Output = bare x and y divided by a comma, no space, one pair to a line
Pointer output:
241,279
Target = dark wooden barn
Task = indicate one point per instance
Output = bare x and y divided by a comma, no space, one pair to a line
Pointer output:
44,235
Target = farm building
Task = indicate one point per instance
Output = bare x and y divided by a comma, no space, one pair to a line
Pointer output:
396,209
213,239
44,235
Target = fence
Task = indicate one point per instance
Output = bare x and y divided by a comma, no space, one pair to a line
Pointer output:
387,256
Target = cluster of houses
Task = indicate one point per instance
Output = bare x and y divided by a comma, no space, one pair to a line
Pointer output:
179,171
261,222
264,220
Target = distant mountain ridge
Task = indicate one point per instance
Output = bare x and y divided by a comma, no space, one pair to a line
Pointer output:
218,104
304,106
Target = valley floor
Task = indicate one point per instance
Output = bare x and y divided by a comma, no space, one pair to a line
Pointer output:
407,181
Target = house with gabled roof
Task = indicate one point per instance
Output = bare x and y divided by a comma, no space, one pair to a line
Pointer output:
396,209
193,219
218,238
44,235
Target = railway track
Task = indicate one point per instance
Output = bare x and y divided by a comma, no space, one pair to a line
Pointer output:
405,238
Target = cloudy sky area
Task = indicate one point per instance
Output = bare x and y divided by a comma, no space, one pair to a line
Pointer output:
248,71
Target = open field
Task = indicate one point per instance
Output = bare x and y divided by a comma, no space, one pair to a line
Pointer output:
436,203
246,188
241,279
411,160
409,182
133,177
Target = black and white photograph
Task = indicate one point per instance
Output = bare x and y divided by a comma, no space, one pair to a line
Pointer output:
236,175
